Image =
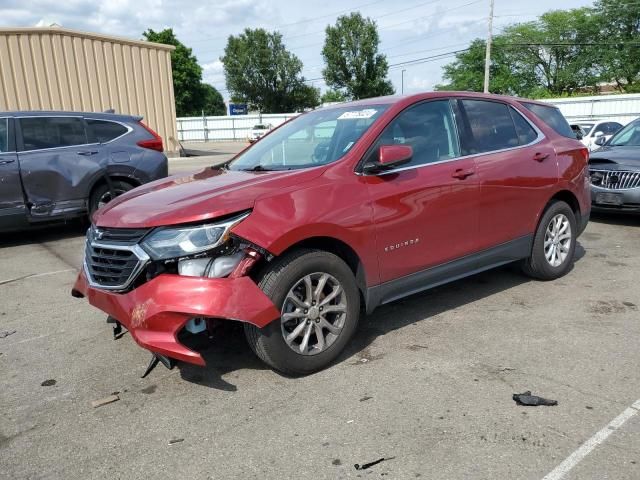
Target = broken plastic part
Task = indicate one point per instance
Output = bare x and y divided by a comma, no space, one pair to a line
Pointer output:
529,400
249,260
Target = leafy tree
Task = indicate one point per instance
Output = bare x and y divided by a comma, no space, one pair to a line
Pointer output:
547,57
263,73
212,101
331,96
187,74
556,47
506,76
619,27
353,65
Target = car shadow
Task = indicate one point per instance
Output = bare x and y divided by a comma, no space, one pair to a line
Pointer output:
45,233
615,218
229,351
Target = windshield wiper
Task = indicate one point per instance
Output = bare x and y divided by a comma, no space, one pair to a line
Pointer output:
262,168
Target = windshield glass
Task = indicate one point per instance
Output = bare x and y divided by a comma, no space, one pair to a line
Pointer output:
312,139
586,127
259,127
628,136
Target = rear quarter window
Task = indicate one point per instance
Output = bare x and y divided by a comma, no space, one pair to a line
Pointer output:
552,117
103,131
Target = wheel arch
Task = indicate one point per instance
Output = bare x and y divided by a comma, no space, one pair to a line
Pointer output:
340,249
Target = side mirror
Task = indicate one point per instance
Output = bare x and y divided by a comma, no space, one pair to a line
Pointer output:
389,156
601,140
598,134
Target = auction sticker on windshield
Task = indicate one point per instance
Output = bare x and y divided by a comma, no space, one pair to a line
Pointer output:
367,113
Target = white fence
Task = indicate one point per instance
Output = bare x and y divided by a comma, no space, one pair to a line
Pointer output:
618,108
237,127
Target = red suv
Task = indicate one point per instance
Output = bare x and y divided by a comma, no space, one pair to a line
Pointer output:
336,212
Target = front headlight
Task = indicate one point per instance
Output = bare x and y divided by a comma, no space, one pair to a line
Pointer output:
183,241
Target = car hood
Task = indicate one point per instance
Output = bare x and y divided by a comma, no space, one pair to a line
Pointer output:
616,157
206,194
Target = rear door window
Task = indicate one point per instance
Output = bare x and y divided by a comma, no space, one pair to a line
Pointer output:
52,132
552,117
526,133
103,131
491,126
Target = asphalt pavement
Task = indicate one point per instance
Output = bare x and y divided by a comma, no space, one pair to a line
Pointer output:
426,384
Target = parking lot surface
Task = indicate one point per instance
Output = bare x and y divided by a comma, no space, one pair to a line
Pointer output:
426,383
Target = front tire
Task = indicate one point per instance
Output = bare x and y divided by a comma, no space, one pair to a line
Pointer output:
554,243
319,301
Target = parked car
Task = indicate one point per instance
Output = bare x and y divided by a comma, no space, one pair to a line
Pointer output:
259,131
615,171
294,240
592,130
57,165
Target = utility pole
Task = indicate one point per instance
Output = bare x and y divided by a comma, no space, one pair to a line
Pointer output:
402,84
487,58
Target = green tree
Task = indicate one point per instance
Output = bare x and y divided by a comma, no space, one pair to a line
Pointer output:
550,56
507,77
212,101
187,74
263,73
332,96
619,56
353,64
556,47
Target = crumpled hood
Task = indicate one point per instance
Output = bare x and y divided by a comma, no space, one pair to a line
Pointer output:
209,193
621,156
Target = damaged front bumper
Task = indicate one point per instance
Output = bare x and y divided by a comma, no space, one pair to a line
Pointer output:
156,311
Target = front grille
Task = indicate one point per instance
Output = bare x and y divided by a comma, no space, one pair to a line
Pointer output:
113,261
615,179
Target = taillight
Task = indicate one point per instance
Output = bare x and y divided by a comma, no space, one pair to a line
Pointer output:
154,143
585,154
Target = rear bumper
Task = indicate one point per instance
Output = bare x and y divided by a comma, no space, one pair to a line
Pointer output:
156,311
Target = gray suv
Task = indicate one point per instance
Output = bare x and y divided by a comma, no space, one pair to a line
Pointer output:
57,165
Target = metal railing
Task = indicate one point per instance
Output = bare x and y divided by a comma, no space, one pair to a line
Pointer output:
207,129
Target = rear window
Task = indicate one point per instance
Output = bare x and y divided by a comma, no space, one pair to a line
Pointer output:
103,131
52,132
552,117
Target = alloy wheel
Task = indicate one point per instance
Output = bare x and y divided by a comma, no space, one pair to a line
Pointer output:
313,314
557,240
107,196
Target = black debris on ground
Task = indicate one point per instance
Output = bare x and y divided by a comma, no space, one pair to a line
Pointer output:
364,466
526,399
6,333
175,440
48,383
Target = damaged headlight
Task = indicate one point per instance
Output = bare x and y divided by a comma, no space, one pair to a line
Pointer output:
167,243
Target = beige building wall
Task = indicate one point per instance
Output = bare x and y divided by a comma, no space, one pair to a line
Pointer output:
55,68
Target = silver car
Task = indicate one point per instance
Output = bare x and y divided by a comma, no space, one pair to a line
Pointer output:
614,171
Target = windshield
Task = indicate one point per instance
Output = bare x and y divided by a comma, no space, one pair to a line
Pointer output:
259,127
313,139
586,127
628,136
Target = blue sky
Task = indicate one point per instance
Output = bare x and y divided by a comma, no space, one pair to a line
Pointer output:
409,29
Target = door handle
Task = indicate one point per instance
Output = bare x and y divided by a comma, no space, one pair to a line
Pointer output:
4,162
539,157
461,174
87,153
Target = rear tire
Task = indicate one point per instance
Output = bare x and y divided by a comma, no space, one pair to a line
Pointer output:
319,301
554,243
101,195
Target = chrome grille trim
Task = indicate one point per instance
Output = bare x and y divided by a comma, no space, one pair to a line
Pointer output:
615,179
106,260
